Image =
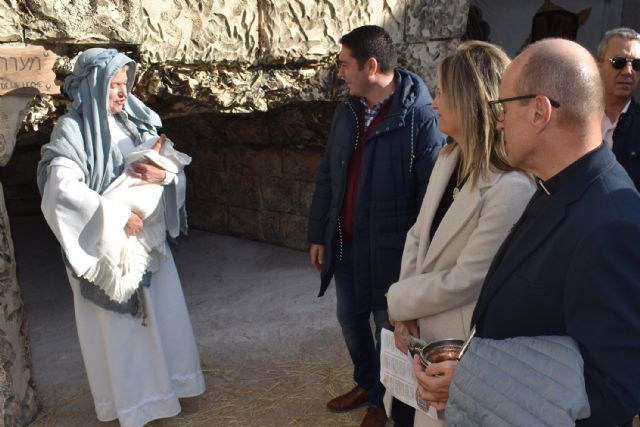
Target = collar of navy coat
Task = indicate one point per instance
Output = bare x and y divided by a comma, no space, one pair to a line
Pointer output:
585,170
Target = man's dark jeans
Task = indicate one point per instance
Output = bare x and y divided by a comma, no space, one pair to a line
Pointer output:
356,330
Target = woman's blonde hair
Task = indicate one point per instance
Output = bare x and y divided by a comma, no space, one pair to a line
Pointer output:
470,77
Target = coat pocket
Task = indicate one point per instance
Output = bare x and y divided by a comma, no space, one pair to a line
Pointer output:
387,256
391,240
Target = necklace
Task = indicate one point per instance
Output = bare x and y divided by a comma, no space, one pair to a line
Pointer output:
460,180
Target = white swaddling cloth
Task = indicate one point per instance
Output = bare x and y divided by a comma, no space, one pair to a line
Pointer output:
119,272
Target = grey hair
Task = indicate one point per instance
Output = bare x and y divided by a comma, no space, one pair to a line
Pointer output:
622,32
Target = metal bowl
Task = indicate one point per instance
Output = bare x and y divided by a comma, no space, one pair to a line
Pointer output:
441,350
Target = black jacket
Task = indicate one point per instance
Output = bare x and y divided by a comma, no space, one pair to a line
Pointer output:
626,142
399,155
576,271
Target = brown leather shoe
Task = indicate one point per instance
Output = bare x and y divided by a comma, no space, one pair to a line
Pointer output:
352,399
375,417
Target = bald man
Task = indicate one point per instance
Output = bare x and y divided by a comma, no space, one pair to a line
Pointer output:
571,265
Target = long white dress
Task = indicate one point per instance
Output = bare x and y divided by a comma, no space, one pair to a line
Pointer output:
136,373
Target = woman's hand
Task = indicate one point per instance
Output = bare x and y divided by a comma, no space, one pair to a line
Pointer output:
147,172
157,146
133,225
434,381
402,331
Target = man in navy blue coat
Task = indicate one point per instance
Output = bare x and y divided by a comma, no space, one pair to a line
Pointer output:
383,142
571,264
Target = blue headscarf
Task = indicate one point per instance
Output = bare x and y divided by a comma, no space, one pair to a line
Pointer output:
82,135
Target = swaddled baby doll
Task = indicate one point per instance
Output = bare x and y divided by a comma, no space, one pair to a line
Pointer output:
127,259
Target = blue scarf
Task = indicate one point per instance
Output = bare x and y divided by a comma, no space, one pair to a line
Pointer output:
82,135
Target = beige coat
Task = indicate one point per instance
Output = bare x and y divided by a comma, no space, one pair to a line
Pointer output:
440,280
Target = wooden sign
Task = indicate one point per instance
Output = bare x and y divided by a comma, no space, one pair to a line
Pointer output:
27,69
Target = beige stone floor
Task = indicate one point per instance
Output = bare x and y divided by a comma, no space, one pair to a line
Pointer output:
271,350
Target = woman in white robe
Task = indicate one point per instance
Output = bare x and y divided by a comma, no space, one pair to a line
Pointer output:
136,370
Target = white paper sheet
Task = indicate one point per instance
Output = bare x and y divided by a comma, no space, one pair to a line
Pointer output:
396,373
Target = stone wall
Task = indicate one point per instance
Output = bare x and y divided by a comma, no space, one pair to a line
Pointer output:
18,403
255,178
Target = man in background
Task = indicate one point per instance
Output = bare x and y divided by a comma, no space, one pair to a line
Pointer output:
618,58
383,142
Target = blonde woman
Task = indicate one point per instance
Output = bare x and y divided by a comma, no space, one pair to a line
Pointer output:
472,201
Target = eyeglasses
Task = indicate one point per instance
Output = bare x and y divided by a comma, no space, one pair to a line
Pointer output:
497,109
619,62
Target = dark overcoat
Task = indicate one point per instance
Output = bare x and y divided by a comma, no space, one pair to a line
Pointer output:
398,157
576,271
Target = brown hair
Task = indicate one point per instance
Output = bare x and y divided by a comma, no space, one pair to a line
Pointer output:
371,41
470,77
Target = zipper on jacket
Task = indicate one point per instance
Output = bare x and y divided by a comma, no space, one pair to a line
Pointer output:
339,239
412,155
355,147
355,116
